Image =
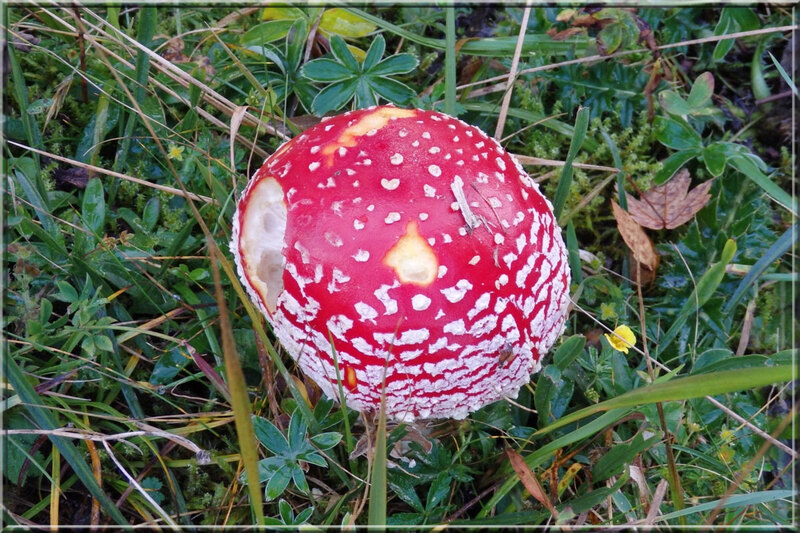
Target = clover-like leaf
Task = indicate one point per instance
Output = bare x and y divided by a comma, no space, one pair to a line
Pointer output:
326,70
343,55
374,53
396,64
270,436
334,96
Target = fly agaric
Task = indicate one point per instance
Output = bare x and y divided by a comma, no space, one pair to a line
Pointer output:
415,244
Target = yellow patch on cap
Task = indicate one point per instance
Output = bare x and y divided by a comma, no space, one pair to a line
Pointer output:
371,121
412,258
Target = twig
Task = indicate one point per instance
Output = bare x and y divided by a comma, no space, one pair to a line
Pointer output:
530,160
501,118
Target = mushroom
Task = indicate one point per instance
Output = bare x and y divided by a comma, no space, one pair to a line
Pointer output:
415,243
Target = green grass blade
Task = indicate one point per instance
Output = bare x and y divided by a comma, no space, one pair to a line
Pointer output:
20,93
683,388
377,493
42,417
531,117
239,400
775,252
737,500
581,124
148,19
784,75
450,63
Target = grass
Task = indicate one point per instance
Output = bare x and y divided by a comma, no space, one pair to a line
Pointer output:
142,388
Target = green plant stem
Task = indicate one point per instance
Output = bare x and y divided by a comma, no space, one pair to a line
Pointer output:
450,62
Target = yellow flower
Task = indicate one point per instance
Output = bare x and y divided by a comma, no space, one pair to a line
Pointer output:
175,152
621,344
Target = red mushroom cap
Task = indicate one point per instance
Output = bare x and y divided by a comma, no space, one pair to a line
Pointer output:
420,246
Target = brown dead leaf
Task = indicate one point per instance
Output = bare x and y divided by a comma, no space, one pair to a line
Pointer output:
563,34
670,205
530,481
637,240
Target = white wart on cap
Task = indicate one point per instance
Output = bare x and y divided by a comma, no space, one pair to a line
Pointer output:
420,246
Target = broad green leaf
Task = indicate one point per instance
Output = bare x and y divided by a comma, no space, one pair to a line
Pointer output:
282,13
611,37
326,70
345,23
343,55
677,134
299,478
715,157
296,433
757,80
392,90
683,388
334,96
673,104
439,490
673,163
150,213
93,207
266,32
702,91
569,350
168,365
396,64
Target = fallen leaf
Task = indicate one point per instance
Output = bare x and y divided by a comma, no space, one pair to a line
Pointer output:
670,205
529,480
637,240
563,34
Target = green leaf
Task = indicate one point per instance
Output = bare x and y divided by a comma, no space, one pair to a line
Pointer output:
278,483
702,91
297,432
299,478
365,96
620,455
673,104
282,13
757,80
439,490
374,53
611,37
673,163
569,350
725,25
392,90
677,134
343,55
345,23
266,32
746,166
326,70
334,96
93,207
168,366
326,441
715,157
270,436
581,124
396,64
